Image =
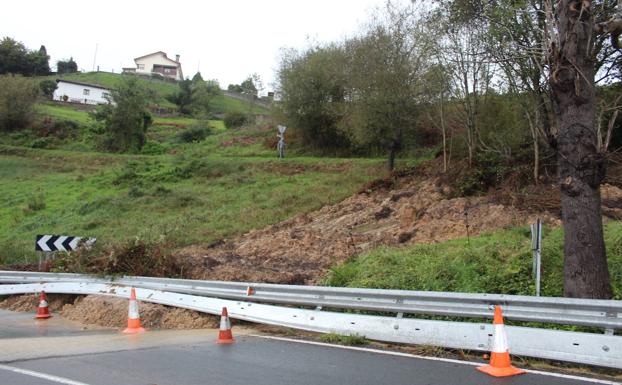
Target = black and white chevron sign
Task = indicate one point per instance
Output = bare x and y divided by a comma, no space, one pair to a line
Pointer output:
61,242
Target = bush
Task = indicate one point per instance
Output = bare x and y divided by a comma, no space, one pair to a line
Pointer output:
61,129
40,143
48,87
17,100
127,121
235,119
153,148
132,257
195,133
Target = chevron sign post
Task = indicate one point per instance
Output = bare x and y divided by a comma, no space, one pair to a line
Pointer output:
48,244
61,242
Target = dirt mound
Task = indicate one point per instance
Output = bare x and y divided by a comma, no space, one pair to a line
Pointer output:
112,312
301,249
29,302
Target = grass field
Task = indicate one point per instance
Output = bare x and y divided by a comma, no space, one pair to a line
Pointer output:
499,262
63,112
198,193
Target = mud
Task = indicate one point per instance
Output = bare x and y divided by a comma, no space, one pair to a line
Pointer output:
112,312
301,250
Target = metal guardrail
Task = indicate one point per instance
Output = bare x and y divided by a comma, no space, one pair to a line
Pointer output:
605,314
585,348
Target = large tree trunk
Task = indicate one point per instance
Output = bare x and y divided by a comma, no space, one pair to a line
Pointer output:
580,165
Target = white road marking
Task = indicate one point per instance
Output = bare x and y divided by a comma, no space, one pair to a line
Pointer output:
388,352
49,377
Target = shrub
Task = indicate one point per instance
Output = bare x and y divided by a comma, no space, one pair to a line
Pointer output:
195,133
127,120
153,148
61,129
235,119
40,143
48,87
132,257
17,100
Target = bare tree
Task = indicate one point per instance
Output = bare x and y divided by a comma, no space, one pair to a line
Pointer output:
464,52
437,90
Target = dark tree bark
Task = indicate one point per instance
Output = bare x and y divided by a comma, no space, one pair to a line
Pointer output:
392,153
581,166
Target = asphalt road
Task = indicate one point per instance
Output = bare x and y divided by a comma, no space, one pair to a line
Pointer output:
106,357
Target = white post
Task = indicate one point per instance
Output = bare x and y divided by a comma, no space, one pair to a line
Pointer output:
536,245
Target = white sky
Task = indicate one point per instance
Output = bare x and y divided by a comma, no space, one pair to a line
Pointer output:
229,38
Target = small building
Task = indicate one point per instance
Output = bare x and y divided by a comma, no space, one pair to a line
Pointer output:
157,64
78,92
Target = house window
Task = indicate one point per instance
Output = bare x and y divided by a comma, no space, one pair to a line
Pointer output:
141,66
105,95
86,91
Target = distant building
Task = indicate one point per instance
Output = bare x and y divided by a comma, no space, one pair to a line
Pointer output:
78,92
157,64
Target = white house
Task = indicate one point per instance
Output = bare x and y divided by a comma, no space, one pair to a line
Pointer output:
78,92
157,64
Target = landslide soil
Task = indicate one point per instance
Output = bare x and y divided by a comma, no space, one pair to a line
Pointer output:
112,312
401,211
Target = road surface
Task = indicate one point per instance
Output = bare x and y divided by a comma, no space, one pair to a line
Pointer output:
66,354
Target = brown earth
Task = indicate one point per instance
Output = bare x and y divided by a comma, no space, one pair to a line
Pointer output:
301,250
112,312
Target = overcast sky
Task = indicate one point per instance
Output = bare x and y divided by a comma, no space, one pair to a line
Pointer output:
226,40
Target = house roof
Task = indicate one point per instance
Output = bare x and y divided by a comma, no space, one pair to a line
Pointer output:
82,84
155,53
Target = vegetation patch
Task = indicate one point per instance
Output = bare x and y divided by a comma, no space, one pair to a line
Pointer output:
347,340
499,262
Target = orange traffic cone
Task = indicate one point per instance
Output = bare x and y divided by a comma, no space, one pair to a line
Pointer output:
133,318
224,335
42,310
500,365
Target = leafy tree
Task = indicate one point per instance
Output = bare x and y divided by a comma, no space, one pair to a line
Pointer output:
15,58
235,119
66,66
202,95
386,67
12,57
197,78
194,98
313,86
39,62
248,86
127,118
17,100
48,87
183,97
235,88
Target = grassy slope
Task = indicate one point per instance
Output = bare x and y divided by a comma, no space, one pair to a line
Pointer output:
196,193
220,104
499,262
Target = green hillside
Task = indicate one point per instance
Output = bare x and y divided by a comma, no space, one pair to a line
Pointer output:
220,105
56,180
